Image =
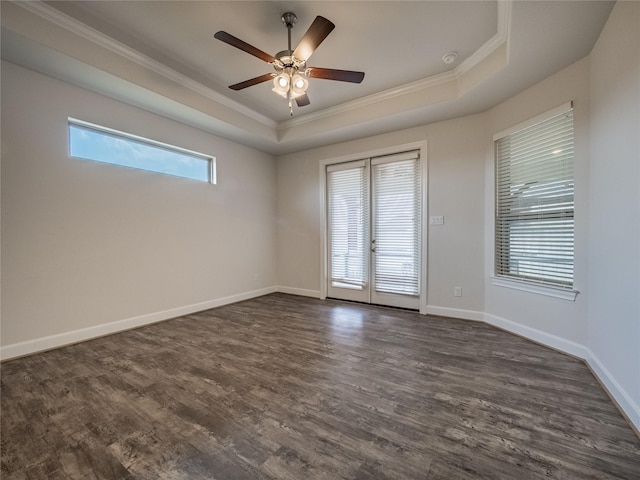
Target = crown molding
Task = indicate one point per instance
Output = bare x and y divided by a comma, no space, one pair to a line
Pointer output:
502,36
503,31
74,26
407,88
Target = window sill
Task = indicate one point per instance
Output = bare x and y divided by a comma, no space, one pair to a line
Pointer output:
556,292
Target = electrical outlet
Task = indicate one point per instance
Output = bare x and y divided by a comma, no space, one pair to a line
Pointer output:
436,220
457,291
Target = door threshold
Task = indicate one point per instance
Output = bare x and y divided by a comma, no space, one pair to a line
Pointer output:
375,304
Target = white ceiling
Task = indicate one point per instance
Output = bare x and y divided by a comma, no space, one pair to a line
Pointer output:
162,56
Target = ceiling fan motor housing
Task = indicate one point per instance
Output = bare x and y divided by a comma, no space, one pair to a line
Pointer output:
284,60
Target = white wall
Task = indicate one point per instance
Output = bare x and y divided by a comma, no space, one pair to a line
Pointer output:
602,325
455,190
556,322
614,213
86,244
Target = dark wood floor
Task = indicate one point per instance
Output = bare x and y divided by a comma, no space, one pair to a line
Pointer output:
284,387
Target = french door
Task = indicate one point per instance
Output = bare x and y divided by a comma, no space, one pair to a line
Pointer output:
374,230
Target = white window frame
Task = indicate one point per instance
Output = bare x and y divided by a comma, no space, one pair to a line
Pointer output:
522,284
73,122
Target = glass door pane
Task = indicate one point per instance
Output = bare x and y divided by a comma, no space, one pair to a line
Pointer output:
348,230
374,257
396,228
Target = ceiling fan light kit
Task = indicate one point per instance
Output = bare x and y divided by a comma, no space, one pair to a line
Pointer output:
290,79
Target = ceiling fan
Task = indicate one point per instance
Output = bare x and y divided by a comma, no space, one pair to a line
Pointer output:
290,78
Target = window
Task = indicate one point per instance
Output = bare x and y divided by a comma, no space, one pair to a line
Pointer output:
92,142
534,237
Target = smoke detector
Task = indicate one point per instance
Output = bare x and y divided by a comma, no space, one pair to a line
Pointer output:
450,57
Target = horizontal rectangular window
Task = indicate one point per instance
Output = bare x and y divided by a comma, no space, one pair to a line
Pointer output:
101,144
534,202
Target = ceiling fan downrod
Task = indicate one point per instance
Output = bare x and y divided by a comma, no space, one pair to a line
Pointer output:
289,19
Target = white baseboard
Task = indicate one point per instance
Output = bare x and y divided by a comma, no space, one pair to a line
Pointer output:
630,408
538,336
299,291
59,340
625,403
619,395
455,313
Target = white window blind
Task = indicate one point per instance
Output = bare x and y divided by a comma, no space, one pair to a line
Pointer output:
534,237
348,212
396,223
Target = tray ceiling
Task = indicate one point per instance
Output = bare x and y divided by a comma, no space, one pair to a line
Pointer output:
162,56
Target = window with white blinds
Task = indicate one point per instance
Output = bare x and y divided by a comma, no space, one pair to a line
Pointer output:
348,215
534,237
396,223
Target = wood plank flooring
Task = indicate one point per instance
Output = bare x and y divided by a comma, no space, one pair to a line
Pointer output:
284,387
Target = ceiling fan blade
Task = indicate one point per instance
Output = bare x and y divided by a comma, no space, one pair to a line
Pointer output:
333,74
244,46
318,31
253,81
303,100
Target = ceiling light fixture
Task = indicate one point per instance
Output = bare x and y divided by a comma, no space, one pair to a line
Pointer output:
290,82
291,76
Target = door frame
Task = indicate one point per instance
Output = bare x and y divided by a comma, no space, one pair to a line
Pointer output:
324,262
